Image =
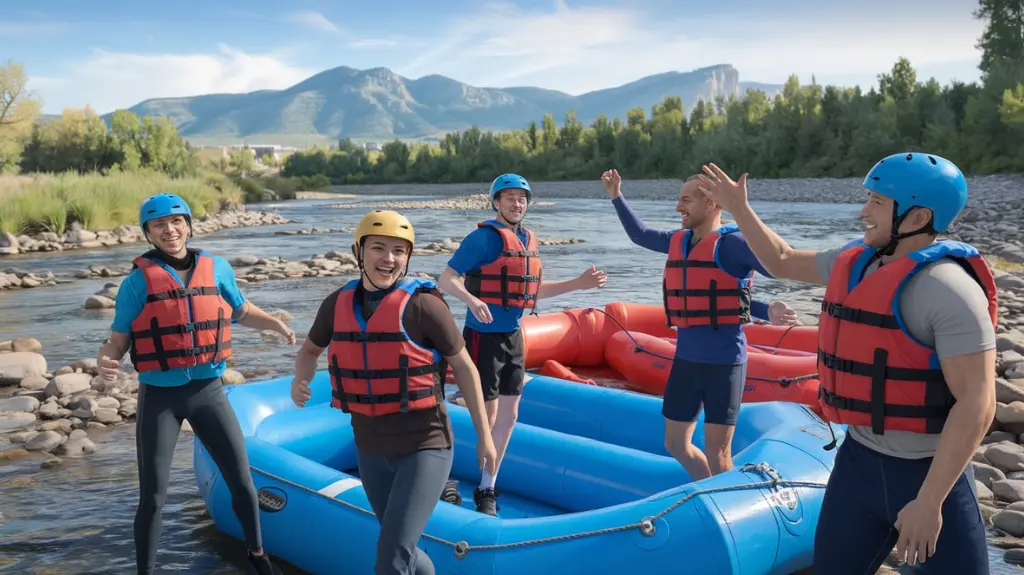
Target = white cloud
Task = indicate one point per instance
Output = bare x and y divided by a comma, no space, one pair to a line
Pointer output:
314,21
587,48
110,80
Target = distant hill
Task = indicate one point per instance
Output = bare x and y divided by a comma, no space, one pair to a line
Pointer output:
379,105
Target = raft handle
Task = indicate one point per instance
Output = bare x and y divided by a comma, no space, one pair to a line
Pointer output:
647,526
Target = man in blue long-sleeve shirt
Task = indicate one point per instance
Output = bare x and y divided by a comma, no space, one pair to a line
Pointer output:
707,297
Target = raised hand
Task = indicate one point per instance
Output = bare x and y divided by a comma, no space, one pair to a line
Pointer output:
721,189
612,183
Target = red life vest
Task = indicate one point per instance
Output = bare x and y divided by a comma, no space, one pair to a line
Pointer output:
180,326
375,367
873,373
696,289
512,280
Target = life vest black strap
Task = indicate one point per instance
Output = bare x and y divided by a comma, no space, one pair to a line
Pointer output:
738,292
691,264
499,277
935,414
938,399
378,336
474,285
402,374
854,315
520,254
179,293
870,369
217,324
394,373
162,355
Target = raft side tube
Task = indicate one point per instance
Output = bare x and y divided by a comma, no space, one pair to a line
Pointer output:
545,464
634,420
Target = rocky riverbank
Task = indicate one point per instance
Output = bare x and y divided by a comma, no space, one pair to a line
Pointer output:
77,238
811,190
252,269
468,203
53,412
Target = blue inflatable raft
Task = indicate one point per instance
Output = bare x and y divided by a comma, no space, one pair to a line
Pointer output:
586,487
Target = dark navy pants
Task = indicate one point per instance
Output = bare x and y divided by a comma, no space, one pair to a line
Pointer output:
865,493
403,492
718,389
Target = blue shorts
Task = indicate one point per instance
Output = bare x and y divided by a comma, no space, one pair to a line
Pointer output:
866,491
716,388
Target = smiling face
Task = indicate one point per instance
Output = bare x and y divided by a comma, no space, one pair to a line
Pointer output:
877,216
512,205
693,205
384,260
169,234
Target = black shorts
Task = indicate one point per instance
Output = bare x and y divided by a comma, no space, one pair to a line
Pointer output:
500,359
718,389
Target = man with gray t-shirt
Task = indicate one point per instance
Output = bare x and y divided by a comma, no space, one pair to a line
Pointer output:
906,359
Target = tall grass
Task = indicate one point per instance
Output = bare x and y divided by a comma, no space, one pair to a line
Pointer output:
37,203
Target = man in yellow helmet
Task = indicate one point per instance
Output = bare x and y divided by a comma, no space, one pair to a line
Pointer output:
389,340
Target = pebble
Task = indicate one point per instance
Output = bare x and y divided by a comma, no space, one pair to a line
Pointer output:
51,413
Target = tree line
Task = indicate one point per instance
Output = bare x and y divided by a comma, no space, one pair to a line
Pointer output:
803,131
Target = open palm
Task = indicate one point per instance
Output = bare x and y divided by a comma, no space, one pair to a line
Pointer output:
720,188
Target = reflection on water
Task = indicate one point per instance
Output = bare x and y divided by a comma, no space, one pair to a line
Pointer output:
77,518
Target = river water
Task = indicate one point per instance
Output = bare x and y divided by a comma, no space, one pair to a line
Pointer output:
76,518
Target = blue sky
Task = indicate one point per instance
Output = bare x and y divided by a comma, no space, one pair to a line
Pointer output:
111,53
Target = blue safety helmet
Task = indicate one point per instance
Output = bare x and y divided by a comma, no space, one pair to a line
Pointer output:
922,180
162,205
509,182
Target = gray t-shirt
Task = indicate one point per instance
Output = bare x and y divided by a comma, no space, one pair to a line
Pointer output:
942,307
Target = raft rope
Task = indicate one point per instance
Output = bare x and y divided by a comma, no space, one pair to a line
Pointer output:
783,381
646,526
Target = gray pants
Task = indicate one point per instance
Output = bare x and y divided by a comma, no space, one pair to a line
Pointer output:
157,425
403,492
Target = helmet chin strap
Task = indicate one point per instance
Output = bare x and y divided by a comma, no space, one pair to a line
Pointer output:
895,236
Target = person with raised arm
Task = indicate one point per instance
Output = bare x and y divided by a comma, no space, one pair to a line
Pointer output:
906,359
707,294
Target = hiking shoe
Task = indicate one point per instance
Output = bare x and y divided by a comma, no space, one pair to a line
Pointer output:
451,494
262,565
485,501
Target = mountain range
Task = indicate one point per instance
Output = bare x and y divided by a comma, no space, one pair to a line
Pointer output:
378,105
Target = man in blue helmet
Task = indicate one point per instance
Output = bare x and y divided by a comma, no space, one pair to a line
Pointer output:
906,360
497,273
174,313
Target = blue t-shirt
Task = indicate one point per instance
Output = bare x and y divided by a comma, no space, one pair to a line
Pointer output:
481,247
131,297
726,345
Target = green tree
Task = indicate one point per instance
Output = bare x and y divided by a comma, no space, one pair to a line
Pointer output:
19,109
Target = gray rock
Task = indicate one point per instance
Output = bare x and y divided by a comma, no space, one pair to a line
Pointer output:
16,421
1010,521
986,474
1011,490
22,403
45,441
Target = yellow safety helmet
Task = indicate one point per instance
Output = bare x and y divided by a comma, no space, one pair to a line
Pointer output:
385,223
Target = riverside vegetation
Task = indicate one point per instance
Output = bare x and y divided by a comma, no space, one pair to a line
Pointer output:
805,131
73,170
